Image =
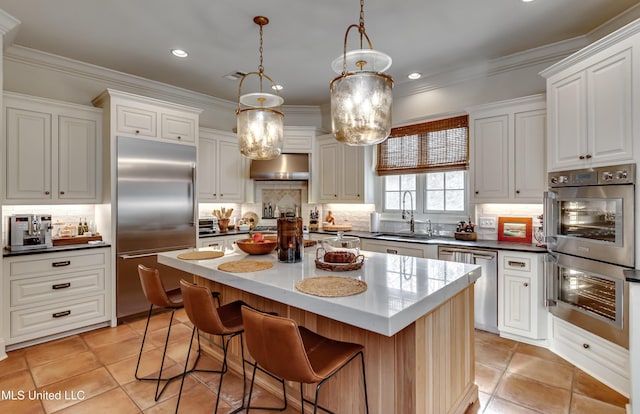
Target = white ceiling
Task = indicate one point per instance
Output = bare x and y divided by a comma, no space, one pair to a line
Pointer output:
301,40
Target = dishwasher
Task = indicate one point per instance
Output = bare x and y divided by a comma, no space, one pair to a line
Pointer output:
486,288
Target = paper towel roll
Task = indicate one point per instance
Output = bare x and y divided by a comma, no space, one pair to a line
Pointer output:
374,223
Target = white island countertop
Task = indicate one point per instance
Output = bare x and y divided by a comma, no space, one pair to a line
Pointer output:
400,290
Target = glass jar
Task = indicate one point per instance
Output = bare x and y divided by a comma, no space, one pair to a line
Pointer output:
290,240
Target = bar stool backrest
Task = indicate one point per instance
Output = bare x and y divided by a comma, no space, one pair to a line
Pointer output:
276,345
154,289
200,308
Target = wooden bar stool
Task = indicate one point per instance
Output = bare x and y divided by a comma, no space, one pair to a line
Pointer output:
159,297
293,353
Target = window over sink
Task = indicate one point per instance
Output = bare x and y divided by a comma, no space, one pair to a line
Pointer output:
427,161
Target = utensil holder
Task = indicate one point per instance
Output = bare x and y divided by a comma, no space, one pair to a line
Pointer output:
223,225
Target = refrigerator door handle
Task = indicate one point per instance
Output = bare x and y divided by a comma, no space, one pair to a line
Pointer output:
136,256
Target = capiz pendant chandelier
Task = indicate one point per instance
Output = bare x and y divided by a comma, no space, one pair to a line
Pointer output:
361,96
260,126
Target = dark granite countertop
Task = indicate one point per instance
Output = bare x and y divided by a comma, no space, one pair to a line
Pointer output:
449,241
56,249
632,275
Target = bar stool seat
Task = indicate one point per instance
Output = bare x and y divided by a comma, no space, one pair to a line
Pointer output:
159,297
294,353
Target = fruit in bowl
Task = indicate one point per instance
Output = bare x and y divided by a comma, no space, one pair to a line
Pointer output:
257,245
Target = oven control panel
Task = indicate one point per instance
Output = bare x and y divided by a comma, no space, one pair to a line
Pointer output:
615,174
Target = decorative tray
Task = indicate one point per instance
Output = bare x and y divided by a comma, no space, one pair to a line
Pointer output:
338,267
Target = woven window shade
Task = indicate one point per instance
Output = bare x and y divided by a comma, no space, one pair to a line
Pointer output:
441,145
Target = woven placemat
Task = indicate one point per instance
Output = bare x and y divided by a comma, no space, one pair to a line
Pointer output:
206,254
331,286
242,266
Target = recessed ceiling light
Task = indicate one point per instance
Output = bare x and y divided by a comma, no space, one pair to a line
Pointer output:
527,1
179,53
414,75
277,87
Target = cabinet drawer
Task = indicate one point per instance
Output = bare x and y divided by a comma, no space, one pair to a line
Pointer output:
136,121
54,264
56,288
178,128
522,264
578,345
57,317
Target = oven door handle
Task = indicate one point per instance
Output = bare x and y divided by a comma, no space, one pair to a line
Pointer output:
549,281
550,224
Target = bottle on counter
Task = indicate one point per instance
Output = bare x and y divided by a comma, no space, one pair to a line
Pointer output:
85,226
80,228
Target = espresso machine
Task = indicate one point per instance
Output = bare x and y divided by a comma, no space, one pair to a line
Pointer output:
29,232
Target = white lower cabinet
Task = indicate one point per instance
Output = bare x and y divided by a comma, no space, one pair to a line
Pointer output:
521,310
223,243
427,251
51,293
600,358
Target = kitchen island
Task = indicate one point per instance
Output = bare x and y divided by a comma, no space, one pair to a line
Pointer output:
415,320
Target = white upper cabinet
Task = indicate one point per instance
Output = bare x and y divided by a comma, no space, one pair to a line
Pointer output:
507,150
590,98
221,167
139,116
52,151
342,172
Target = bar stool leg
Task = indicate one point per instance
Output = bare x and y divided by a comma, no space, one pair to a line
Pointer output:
284,391
158,391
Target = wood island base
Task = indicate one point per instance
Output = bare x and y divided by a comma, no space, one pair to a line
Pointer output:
427,368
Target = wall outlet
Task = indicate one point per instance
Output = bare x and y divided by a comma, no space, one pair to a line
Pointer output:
487,222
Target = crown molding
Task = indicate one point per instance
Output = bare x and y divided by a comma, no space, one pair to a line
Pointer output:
547,54
8,28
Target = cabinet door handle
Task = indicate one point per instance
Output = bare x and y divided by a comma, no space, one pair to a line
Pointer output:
47,193
525,284
213,244
179,137
137,131
514,263
221,195
517,191
61,192
214,194
61,314
61,286
588,156
61,264
392,251
586,346
477,192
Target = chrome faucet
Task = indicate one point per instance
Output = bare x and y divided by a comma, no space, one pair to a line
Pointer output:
408,215
429,229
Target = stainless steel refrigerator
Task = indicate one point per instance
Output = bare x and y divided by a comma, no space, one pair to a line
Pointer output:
155,212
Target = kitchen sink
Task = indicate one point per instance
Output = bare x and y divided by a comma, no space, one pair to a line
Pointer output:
406,235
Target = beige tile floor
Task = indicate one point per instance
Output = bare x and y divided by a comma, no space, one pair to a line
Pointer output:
94,371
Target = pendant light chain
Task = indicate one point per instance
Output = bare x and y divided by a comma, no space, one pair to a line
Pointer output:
361,27
260,67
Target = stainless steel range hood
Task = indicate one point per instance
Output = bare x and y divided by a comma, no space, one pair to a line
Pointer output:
285,167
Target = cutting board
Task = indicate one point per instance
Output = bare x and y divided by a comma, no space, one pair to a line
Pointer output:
65,241
337,227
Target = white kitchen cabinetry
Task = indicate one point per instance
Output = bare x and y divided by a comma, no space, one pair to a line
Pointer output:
299,139
52,151
521,310
600,358
133,115
222,243
221,168
507,147
343,177
427,251
55,293
590,99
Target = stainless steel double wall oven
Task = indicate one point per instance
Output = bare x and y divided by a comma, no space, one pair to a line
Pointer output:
589,231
